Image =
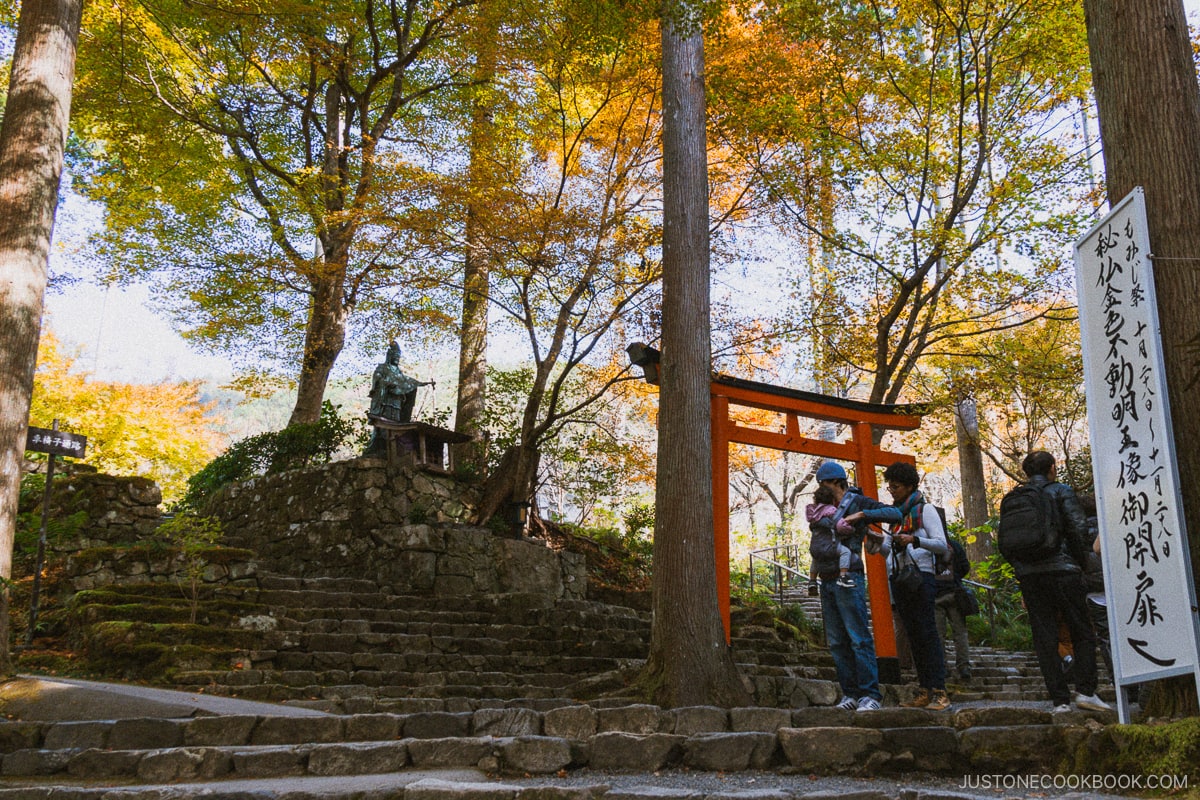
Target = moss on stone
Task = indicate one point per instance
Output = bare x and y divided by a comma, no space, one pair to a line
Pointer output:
1171,748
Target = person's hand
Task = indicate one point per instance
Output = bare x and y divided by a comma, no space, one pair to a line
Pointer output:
903,539
855,517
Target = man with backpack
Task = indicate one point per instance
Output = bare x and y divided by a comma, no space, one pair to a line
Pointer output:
1042,533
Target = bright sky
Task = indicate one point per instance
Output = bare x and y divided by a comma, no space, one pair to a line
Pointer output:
118,336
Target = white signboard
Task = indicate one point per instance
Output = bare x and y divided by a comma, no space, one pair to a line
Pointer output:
1151,598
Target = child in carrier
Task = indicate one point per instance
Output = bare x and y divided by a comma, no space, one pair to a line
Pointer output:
820,514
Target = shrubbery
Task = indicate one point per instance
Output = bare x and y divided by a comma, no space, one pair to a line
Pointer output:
293,447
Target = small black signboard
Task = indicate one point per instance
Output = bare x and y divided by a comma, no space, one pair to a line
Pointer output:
60,443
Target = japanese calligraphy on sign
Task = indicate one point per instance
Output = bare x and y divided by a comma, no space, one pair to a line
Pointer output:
59,443
1144,540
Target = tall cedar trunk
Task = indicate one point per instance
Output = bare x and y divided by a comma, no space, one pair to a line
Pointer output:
689,662
970,475
1149,109
324,337
472,353
32,139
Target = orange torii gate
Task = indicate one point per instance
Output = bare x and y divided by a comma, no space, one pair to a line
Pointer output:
860,450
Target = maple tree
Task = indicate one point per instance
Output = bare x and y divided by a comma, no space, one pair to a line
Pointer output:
265,163
162,431
920,153
569,234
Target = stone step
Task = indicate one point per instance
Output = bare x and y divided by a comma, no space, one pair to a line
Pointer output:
524,741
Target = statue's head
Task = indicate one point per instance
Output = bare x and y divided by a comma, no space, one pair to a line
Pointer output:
393,353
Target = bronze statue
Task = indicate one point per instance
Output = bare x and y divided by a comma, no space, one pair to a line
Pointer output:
393,394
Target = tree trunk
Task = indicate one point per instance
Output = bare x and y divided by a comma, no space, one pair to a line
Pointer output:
970,475
32,140
689,661
324,338
472,353
1149,111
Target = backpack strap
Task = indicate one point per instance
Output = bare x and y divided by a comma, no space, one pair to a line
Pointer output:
842,509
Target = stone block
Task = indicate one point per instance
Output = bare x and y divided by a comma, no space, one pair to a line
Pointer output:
457,752
646,752
535,754
930,749
269,762
593,792
820,693
692,720
433,789
506,722
372,727
184,764
28,763
571,722
822,717
1022,748
98,764
21,735
296,730
146,734
755,794
830,750
638,718
357,758
895,718
218,731
436,725
78,735
1000,716
728,752
647,792
526,567
759,719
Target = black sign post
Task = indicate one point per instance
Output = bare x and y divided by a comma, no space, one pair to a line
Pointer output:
56,443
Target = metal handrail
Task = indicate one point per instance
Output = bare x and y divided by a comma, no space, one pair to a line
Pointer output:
783,559
778,566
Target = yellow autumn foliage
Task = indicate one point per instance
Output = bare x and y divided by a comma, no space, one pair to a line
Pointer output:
162,431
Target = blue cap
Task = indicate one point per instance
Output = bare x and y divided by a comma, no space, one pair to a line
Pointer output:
830,471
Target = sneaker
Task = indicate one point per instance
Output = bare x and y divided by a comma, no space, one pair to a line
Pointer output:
940,701
920,700
1091,703
847,703
845,581
1062,707
813,589
964,674
869,704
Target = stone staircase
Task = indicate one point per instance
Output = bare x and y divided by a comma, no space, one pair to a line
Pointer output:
342,645
215,756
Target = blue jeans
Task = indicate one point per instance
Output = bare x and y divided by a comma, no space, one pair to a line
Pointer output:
849,637
916,611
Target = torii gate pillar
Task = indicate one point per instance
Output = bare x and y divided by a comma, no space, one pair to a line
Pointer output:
860,449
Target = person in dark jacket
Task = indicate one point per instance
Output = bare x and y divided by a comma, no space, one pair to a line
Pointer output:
844,610
1054,585
950,620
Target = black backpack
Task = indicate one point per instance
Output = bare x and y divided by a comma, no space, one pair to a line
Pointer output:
1029,529
823,543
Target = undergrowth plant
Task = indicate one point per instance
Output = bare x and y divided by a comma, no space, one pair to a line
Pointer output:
193,535
295,446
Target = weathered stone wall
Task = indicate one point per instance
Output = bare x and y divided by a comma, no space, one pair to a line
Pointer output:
362,493
98,567
115,510
400,527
